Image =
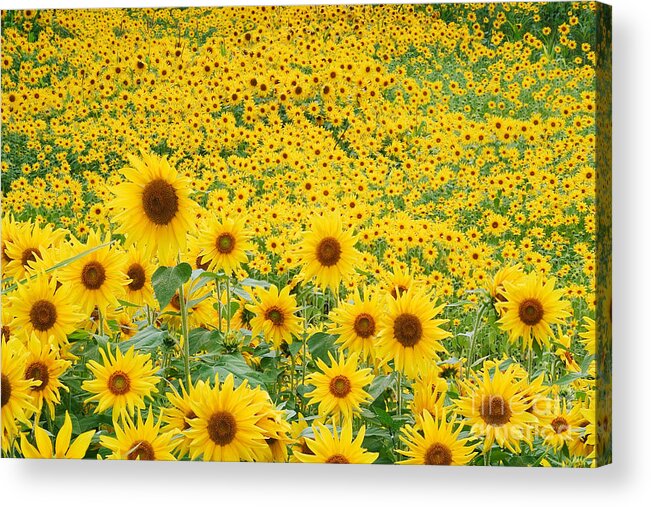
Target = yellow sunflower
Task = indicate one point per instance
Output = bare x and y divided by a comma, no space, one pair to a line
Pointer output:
435,442
339,390
336,447
41,309
589,336
397,282
96,279
410,334
562,426
429,393
496,408
139,268
223,243
357,325
16,400
122,382
44,365
275,317
532,306
275,429
153,207
27,247
225,427
10,231
62,448
328,252
140,440
510,274
177,415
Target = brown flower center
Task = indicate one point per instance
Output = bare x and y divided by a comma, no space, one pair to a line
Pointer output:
200,264
138,278
275,315
438,454
531,312
364,325
225,243
5,388
6,333
338,459
43,315
305,449
407,329
160,202
560,425
189,415
340,386
142,450
175,302
29,254
328,251
119,383
93,275
38,371
222,428
397,290
495,410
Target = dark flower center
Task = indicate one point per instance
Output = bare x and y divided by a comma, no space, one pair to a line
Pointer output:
138,278
328,252
364,325
338,459
531,312
438,454
225,243
340,386
43,315
160,202
560,425
495,410
142,450
29,254
222,428
93,275
118,383
275,315
5,388
38,371
407,329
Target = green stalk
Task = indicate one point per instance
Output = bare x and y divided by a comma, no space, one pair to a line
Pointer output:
228,304
186,337
473,338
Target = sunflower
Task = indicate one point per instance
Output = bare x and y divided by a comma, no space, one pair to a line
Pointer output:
62,449
139,268
496,408
532,306
397,282
27,246
16,395
429,393
328,252
153,207
223,243
562,426
43,364
410,334
339,390
140,440
589,336
336,447
510,274
434,441
41,309
275,317
224,428
357,324
176,416
122,382
10,231
275,429
96,279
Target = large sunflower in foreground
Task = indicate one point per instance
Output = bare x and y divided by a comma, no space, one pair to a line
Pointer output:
357,323
275,317
339,390
336,447
497,409
410,333
62,448
224,428
96,279
40,309
153,207
140,440
223,244
122,382
435,442
328,252
531,307
16,398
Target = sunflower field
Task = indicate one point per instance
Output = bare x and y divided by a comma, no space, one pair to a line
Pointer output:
320,234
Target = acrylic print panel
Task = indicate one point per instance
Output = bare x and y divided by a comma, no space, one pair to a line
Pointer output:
340,234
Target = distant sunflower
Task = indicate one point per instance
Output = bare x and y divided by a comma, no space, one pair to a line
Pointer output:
140,440
339,390
139,268
357,323
532,306
225,427
336,447
43,364
497,409
153,207
224,244
97,278
28,246
328,252
40,309
275,317
62,448
435,442
410,334
122,382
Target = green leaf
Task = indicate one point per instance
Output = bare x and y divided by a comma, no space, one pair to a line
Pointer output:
569,378
167,281
320,344
204,339
146,340
379,385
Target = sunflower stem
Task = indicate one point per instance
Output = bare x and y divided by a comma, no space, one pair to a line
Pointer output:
473,338
186,338
219,306
228,305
